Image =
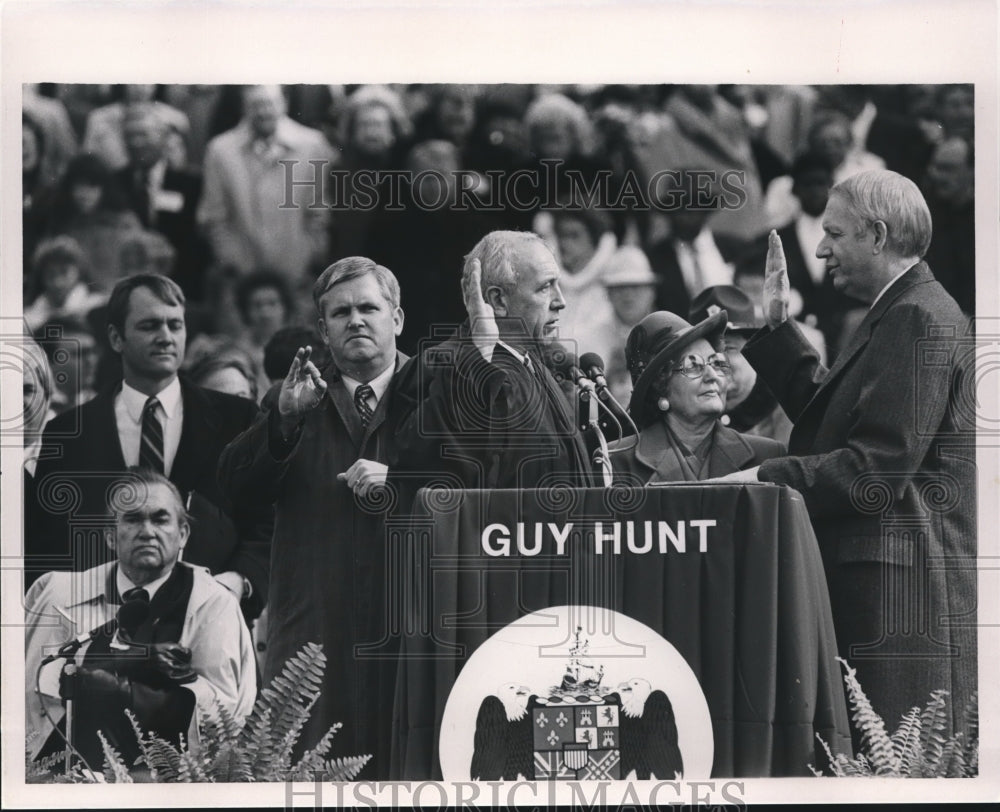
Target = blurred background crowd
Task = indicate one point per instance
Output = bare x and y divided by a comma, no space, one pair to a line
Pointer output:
188,181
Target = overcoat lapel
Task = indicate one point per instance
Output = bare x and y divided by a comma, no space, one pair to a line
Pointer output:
918,273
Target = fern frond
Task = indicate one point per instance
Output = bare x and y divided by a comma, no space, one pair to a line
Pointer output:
43,771
934,724
345,769
314,760
115,770
162,758
970,726
952,764
282,710
256,741
231,766
870,725
906,743
283,756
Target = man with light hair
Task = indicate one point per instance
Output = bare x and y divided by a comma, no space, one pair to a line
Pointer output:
318,453
486,412
246,212
881,449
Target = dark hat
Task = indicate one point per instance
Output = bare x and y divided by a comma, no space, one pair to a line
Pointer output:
658,340
730,298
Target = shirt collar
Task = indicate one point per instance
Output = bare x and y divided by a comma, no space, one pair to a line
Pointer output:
135,401
124,584
891,282
379,384
520,356
279,139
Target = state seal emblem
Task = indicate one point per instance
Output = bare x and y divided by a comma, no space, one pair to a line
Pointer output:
580,726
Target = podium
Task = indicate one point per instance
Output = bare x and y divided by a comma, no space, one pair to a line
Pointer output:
730,575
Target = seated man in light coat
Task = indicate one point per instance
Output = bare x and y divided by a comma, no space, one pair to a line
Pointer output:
160,638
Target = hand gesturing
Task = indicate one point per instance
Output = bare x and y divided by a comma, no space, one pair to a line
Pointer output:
302,389
776,289
482,321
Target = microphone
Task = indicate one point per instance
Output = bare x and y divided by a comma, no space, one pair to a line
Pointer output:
72,646
131,615
594,366
564,363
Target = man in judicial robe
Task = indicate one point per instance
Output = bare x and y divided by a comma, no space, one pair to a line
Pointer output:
481,409
176,647
317,453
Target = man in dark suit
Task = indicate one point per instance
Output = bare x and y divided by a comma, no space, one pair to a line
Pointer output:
155,419
164,199
693,257
318,453
481,409
881,451
821,305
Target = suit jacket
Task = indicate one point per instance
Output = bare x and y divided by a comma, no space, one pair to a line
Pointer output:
82,456
462,422
885,459
328,564
173,216
671,292
653,460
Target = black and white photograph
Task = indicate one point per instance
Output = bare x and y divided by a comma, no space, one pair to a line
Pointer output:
509,405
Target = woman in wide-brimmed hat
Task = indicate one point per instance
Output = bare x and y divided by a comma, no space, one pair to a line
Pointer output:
680,379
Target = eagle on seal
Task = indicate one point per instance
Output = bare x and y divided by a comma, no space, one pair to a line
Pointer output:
648,732
504,744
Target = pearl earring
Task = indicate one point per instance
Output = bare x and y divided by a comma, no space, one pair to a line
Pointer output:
663,405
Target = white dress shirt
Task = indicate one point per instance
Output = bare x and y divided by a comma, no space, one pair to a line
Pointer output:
809,230
701,263
129,404
892,281
378,384
125,584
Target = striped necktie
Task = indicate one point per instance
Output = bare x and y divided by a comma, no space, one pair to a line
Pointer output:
365,411
151,444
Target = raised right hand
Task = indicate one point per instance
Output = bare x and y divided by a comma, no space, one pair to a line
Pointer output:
776,287
302,389
482,321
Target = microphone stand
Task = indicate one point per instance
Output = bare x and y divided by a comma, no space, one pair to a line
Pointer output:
602,457
70,670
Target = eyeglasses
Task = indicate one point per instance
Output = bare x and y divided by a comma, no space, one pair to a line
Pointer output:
693,365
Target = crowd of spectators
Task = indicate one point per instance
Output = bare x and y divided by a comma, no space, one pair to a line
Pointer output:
209,185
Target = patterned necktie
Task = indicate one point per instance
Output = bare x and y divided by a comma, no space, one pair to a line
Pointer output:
365,411
151,443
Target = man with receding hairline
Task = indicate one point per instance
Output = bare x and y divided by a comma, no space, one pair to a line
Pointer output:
178,651
883,424
483,408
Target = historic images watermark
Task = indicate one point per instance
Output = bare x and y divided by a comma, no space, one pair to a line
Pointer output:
588,795
549,187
